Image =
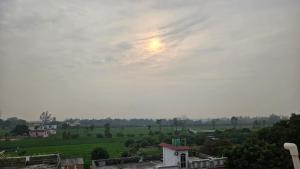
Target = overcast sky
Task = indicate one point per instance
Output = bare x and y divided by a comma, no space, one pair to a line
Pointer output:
91,59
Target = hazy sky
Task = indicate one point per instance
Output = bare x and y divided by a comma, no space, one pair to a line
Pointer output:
149,59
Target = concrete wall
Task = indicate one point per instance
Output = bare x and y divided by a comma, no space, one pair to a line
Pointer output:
170,159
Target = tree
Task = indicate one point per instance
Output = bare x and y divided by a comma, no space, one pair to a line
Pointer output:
175,123
107,130
92,127
264,149
257,154
149,129
129,142
99,153
234,121
20,130
158,122
213,123
45,118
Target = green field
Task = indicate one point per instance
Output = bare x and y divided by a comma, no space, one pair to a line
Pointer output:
82,146
79,147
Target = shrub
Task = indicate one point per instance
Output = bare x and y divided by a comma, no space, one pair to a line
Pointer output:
99,153
22,153
129,142
120,134
125,154
99,135
130,135
74,136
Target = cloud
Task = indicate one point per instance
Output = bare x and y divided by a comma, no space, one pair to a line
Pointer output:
79,56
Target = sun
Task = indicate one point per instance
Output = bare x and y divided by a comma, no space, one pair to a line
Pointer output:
155,45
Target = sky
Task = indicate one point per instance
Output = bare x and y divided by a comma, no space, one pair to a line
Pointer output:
149,59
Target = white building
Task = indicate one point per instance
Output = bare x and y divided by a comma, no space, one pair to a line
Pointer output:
174,156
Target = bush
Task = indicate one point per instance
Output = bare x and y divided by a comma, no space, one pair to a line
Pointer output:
125,154
22,153
99,153
20,130
130,135
129,142
108,135
120,134
74,136
66,135
99,135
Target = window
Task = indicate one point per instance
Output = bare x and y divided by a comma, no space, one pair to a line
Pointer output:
182,160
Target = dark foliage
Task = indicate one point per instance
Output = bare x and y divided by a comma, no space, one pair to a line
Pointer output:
20,129
99,153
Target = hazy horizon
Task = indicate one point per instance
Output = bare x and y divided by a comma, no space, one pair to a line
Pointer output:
149,59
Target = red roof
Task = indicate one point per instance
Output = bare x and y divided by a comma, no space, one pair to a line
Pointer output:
176,148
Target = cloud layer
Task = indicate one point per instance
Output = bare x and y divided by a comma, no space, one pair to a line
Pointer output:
87,59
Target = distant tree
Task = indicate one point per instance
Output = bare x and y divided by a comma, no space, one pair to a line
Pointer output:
65,126
175,123
234,121
20,130
99,135
255,124
158,122
99,153
120,134
149,129
45,117
92,127
213,123
274,118
129,142
107,130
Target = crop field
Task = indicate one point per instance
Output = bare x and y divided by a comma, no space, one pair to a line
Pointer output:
85,143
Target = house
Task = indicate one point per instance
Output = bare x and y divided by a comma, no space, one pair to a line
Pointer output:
42,130
75,163
49,161
51,128
174,156
39,133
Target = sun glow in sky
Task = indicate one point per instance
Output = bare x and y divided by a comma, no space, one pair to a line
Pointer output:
155,45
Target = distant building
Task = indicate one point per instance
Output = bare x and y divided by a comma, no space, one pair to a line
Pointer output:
50,161
38,133
42,130
75,163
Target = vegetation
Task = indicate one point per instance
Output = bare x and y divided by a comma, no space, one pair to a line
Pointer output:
227,139
99,153
264,148
20,129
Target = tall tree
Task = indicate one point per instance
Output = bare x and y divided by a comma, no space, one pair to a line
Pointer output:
175,123
45,117
234,121
158,122
107,130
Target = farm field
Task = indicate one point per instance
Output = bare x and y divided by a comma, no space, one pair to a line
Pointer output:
87,141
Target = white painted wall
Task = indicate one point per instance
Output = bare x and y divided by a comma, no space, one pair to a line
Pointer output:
170,159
